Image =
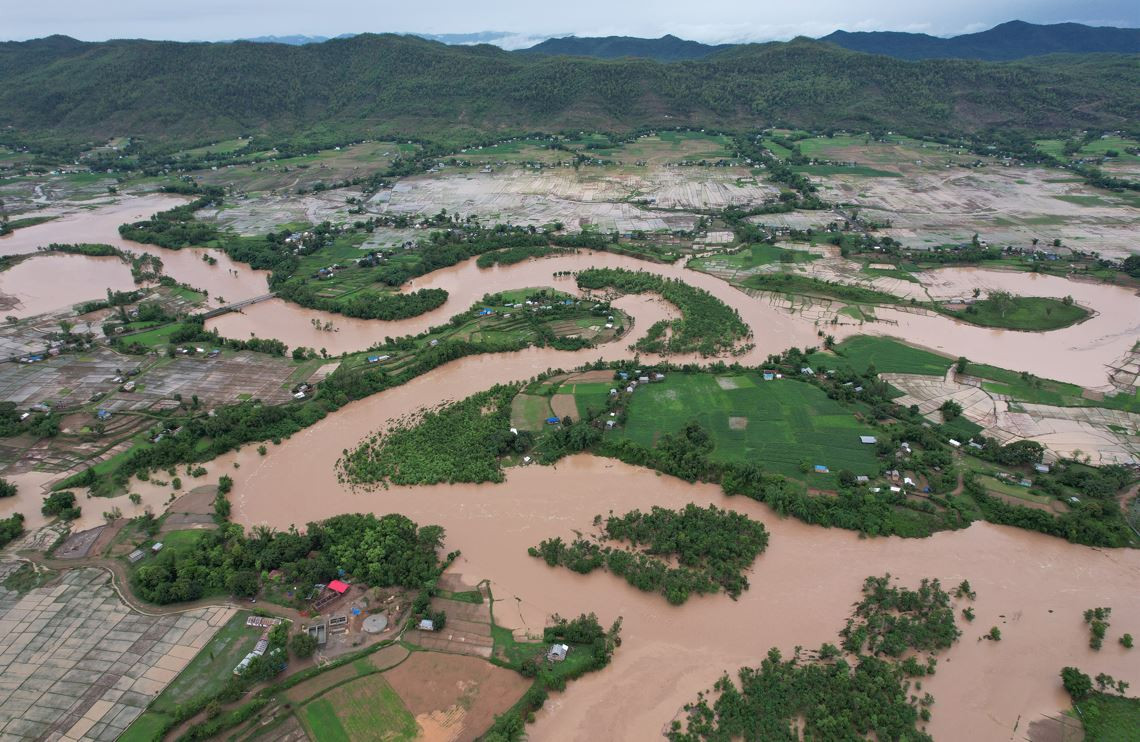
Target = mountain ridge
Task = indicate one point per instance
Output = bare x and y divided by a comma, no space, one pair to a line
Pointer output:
1004,42
384,85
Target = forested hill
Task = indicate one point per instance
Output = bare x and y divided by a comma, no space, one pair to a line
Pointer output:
668,48
1013,40
370,85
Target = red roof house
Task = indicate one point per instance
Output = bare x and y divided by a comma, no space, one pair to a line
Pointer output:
338,586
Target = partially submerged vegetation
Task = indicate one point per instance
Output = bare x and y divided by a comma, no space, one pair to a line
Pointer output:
462,442
833,694
707,326
713,547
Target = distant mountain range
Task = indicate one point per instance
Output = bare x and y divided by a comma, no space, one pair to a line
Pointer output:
668,48
1013,40
504,39
1005,42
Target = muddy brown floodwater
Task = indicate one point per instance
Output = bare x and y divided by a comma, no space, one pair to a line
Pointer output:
227,279
802,587
1033,587
1080,354
49,282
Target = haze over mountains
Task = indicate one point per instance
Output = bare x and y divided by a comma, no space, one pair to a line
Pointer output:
1007,41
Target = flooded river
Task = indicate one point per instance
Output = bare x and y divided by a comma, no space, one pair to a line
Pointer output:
1034,588
1078,354
802,588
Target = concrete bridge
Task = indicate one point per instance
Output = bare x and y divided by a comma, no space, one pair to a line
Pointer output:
236,306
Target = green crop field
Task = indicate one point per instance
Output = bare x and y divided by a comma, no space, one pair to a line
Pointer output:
778,423
157,336
888,356
529,411
588,396
366,708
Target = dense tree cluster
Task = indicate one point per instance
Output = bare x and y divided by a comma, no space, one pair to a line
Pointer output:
512,255
891,619
713,547
1097,620
1093,522
61,504
829,695
326,93
365,304
11,528
176,228
461,442
707,326
385,551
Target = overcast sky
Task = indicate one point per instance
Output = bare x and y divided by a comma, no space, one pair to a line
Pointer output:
523,20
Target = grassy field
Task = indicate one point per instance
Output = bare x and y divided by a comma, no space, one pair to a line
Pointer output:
888,356
514,652
1027,388
780,424
752,256
1029,313
589,396
794,284
1110,718
674,146
1036,390
146,728
529,411
213,666
363,709
157,336
1095,148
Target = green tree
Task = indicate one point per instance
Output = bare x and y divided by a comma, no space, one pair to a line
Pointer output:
303,645
1077,684
1001,301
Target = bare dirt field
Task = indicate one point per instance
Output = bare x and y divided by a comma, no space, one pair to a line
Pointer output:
1003,205
1108,436
563,405
195,509
595,198
454,698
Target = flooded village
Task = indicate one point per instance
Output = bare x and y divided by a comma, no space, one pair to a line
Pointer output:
898,417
